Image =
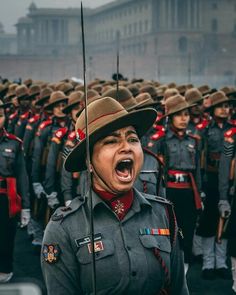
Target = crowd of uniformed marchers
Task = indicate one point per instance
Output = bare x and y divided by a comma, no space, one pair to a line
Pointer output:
188,162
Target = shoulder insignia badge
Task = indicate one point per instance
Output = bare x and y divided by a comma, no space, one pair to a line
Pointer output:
51,253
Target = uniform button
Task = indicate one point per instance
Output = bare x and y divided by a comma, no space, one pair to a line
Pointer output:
134,273
97,254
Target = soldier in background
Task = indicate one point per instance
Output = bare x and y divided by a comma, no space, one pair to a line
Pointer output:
227,190
180,153
214,254
42,141
14,195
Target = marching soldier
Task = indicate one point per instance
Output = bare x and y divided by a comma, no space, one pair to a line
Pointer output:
227,190
135,243
180,153
214,254
25,113
14,195
42,142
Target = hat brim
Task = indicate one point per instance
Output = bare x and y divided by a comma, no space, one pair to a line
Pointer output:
68,108
42,100
208,109
51,105
141,120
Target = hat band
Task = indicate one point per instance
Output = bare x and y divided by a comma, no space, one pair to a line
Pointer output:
103,120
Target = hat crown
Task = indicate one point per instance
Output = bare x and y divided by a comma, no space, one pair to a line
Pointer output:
56,96
170,92
100,113
75,96
175,104
21,90
204,89
217,98
34,89
193,95
150,89
46,92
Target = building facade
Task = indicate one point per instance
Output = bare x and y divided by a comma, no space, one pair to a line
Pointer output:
157,39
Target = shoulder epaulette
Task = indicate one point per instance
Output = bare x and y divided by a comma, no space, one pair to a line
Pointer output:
230,132
25,115
45,124
34,119
202,125
157,199
61,213
12,136
59,134
72,136
159,134
13,116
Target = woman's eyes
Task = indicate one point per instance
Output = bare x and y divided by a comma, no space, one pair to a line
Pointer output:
116,140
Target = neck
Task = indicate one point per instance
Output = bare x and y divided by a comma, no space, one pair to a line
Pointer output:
179,132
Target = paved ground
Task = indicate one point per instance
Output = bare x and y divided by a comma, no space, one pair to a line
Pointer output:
27,268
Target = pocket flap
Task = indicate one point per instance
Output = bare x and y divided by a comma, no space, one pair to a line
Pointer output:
160,242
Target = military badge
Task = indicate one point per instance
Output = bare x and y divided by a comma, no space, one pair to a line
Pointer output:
98,246
51,253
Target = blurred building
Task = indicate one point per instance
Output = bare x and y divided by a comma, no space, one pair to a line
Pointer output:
8,43
159,39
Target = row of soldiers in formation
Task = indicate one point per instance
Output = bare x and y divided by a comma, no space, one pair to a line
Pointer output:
188,159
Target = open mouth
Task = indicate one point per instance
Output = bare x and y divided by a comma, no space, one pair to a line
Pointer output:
124,170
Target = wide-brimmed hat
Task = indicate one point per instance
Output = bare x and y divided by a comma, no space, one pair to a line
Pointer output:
44,96
175,104
133,89
151,90
28,82
217,98
34,90
169,92
105,115
123,96
22,92
76,97
144,99
229,90
193,96
65,87
55,97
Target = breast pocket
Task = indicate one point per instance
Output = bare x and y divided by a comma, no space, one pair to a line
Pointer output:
9,161
155,262
173,155
106,266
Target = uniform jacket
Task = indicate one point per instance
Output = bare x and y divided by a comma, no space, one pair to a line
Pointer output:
125,263
12,164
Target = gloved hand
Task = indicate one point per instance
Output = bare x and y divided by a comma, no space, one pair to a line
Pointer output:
67,203
203,199
25,217
224,208
38,189
53,201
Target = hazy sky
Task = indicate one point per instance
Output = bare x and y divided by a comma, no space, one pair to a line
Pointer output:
12,10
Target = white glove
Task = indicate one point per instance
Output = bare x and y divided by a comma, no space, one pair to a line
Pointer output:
224,208
67,203
25,217
38,189
53,201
